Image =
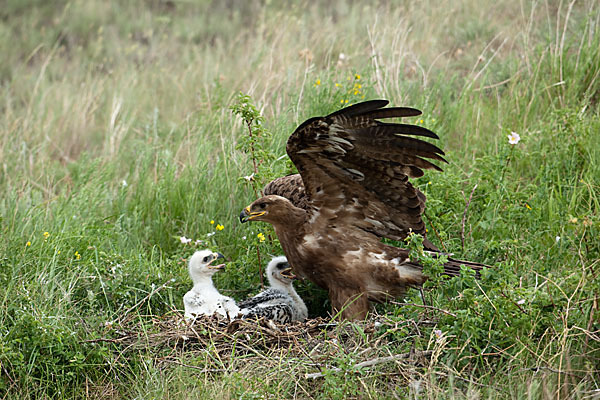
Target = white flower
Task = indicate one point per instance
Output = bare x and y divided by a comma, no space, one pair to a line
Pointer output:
514,138
197,242
185,240
124,183
243,237
438,333
210,234
342,57
522,301
557,239
250,177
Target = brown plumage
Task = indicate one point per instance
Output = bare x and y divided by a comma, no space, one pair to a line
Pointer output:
353,189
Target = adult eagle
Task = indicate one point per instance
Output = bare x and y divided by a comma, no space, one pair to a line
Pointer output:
352,190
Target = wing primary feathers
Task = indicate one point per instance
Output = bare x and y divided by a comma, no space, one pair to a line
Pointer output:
391,112
371,135
360,108
407,129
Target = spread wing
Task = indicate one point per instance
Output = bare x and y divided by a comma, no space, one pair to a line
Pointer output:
357,169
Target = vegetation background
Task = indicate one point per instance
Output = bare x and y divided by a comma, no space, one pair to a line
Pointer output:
117,140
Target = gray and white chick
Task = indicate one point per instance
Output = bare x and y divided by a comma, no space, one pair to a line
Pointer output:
279,302
204,298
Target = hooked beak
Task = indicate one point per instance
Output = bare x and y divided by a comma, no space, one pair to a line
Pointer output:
247,215
216,256
287,273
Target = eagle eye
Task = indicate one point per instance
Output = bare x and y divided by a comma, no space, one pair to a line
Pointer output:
262,205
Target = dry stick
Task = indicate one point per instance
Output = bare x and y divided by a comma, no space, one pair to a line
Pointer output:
375,361
424,306
202,370
435,231
464,218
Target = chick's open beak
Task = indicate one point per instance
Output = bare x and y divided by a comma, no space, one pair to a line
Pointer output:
216,256
247,215
288,273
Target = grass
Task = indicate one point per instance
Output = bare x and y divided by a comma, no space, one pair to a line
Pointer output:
117,138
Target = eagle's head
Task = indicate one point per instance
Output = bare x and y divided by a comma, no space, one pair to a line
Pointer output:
273,209
204,263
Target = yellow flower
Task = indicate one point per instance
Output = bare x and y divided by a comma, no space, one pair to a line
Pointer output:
528,206
317,82
337,84
46,234
28,243
58,252
421,121
573,220
212,222
261,237
429,183
77,255
355,92
356,76
220,227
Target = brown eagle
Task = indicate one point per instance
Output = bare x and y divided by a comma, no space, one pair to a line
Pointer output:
352,190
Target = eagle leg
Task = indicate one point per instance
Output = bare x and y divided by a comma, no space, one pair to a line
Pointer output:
350,303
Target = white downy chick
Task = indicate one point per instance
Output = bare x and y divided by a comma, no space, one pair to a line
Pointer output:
204,298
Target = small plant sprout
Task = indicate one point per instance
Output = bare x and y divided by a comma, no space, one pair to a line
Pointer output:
514,138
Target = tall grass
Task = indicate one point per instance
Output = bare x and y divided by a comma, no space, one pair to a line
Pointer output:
116,138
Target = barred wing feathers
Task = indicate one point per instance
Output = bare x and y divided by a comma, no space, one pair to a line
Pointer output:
348,160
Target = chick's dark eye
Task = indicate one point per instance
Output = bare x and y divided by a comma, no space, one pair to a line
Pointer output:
282,265
262,205
205,259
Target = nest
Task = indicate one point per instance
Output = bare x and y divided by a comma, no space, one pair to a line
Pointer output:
171,340
214,332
